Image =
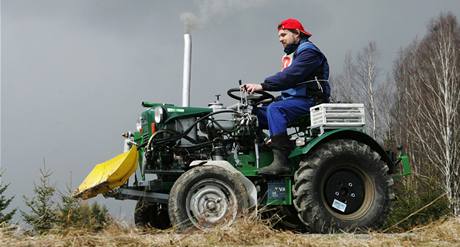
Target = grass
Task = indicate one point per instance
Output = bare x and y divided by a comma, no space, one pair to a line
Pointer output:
246,232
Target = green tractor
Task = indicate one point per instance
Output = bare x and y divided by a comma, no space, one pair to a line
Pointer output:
193,167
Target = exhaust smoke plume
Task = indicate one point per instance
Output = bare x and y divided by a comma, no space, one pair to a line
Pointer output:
190,21
212,9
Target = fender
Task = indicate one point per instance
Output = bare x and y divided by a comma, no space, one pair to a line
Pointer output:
353,134
250,187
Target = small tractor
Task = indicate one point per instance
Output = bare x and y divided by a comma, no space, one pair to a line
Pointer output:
197,167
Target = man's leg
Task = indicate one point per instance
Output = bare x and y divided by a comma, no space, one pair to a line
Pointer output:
261,113
279,114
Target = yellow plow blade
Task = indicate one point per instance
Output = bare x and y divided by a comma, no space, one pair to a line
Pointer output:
108,175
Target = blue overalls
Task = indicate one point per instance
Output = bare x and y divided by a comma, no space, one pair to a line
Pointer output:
302,82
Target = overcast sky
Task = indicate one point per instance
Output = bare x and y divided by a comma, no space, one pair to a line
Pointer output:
75,71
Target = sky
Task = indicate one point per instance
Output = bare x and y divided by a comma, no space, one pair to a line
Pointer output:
74,72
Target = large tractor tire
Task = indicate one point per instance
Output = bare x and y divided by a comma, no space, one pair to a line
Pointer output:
342,186
151,214
207,196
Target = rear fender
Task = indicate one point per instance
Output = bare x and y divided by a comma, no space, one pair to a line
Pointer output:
352,134
250,187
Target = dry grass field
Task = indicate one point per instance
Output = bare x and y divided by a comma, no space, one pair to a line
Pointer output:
244,233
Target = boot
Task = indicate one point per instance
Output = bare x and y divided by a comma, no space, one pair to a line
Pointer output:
281,148
279,166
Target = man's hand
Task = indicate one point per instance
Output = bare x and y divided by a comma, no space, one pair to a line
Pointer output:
252,87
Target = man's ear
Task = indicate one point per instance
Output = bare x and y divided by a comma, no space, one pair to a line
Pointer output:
297,31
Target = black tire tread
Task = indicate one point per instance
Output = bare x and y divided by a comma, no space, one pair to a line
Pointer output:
309,210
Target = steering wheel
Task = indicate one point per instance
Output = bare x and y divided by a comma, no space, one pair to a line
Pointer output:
256,97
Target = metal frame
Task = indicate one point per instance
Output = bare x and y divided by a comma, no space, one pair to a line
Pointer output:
125,193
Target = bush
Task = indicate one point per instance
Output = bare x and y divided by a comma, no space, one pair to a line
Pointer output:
5,218
73,213
42,216
45,214
412,195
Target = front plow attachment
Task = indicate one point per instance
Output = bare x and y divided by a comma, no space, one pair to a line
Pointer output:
108,175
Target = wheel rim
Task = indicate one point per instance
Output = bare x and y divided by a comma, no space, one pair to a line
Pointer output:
347,192
211,202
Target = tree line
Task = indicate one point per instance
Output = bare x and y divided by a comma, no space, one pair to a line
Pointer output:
44,214
418,106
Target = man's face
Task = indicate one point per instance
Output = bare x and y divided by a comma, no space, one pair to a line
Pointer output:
287,37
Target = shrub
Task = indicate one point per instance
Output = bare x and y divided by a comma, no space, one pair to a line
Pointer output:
412,195
73,212
43,211
5,218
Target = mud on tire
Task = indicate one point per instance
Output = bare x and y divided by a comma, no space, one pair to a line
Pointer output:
207,196
342,186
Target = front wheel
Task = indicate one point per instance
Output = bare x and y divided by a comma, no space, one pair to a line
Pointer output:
342,186
207,196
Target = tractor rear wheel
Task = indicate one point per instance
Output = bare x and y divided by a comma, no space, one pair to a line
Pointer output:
151,214
207,196
342,186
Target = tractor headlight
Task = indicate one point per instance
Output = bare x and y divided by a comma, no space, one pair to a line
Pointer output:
159,114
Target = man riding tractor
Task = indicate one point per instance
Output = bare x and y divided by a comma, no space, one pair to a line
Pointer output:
303,82
198,167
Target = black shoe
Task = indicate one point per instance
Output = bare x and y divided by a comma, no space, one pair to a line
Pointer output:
279,166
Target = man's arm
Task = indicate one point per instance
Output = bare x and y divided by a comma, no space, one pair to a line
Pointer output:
305,63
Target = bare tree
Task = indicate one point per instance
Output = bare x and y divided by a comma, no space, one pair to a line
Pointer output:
360,82
342,85
428,78
366,77
384,101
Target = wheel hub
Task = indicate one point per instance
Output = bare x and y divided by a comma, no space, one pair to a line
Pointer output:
210,204
344,191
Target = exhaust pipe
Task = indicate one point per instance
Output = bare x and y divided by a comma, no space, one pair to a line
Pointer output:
187,70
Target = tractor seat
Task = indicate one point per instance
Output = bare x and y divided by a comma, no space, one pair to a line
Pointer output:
302,122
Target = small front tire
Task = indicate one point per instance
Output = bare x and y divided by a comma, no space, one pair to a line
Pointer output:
205,197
